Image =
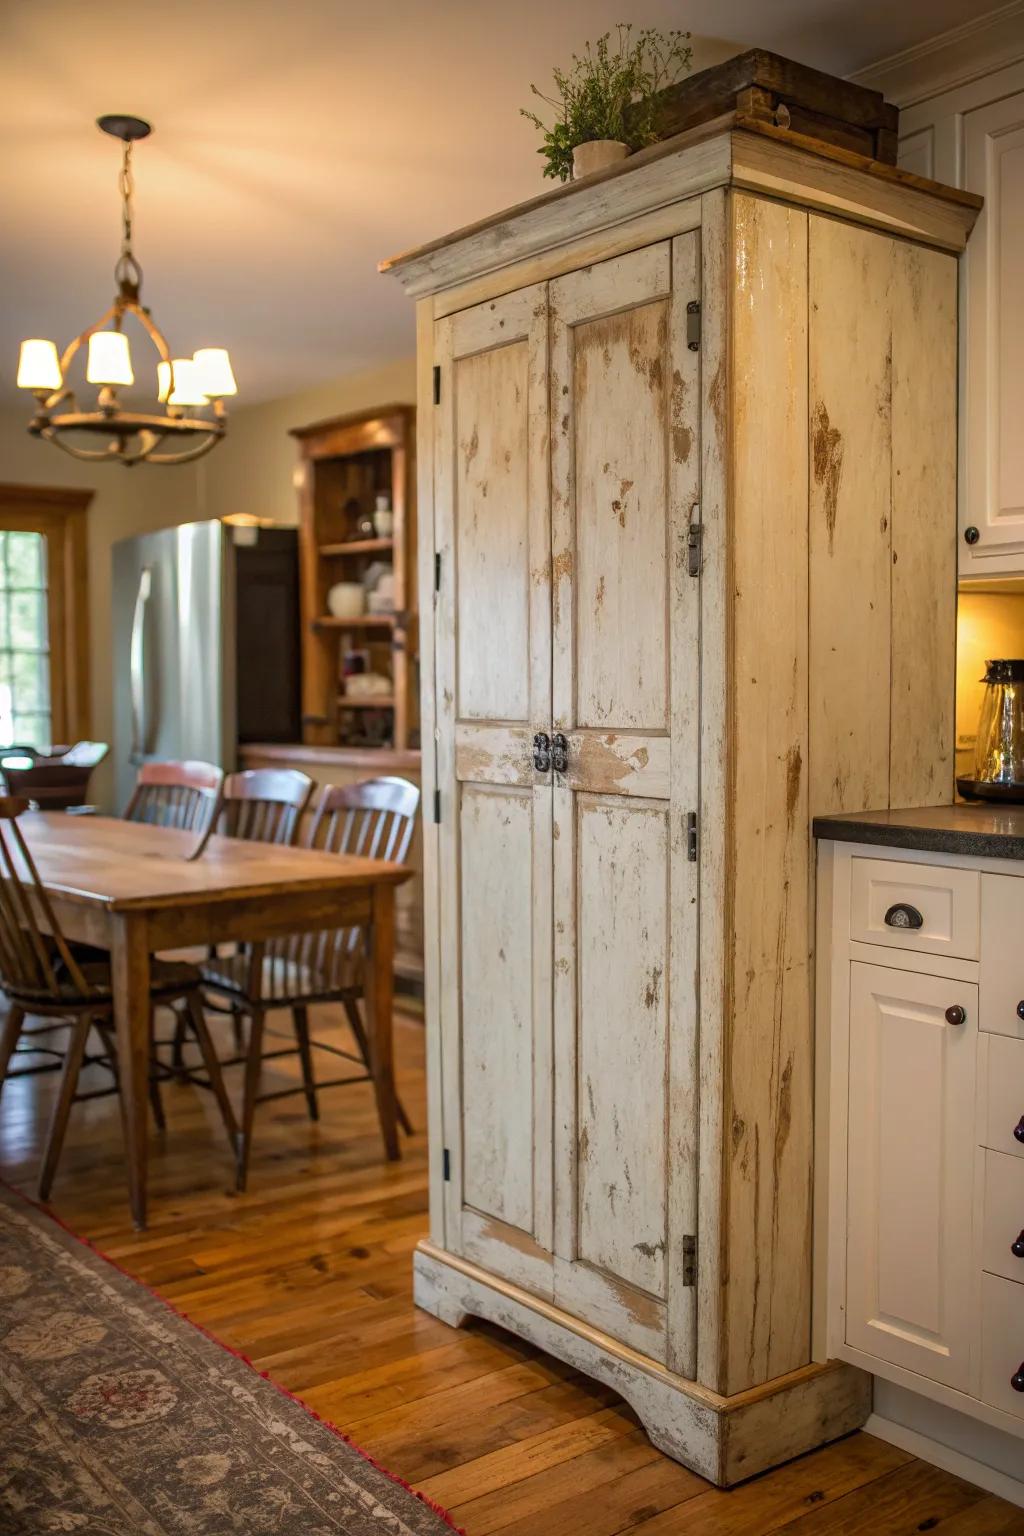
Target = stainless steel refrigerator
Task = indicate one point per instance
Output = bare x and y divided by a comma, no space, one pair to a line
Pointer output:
206,644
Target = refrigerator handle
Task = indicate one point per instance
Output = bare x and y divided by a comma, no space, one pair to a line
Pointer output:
136,664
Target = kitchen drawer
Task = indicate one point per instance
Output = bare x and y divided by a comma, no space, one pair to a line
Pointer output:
946,900
1002,1343
1002,954
1003,1220
1002,1108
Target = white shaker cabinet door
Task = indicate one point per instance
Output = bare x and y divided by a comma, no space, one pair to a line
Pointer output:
992,511
910,1170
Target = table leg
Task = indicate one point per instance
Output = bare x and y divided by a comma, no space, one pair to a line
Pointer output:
380,963
130,972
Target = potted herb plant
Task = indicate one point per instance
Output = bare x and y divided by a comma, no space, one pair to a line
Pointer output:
607,99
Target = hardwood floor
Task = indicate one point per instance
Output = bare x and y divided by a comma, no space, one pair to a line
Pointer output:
309,1275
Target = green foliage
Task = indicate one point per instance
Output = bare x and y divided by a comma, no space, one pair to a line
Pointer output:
609,92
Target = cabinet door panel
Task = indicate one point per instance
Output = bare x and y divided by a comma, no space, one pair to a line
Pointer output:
910,1171
994,465
494,668
625,451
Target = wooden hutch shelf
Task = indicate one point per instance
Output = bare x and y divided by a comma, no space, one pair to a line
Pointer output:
347,463
359,547
364,621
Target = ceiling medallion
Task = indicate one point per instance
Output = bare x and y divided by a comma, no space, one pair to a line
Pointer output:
192,390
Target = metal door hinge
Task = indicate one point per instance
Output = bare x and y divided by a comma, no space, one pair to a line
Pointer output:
446,1167
689,1260
691,836
693,325
437,383
437,571
694,543
437,807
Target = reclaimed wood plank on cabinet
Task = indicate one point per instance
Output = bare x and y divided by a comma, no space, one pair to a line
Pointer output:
923,480
768,1110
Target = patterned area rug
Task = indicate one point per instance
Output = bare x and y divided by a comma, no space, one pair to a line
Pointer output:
118,1417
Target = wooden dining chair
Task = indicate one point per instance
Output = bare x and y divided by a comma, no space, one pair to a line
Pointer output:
264,805
41,975
184,796
376,820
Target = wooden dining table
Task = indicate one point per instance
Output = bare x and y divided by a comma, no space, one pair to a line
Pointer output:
131,889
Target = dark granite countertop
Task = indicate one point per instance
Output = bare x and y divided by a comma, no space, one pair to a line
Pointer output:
990,831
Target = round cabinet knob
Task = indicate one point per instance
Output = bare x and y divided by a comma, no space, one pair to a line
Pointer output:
1017,1379
1020,1009
1018,1129
971,535
1017,1246
956,1014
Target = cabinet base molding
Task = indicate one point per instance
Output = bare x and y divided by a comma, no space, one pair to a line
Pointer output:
725,1439
948,1458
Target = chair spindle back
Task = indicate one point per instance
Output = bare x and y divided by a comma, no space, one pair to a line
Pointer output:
184,796
265,805
32,946
375,820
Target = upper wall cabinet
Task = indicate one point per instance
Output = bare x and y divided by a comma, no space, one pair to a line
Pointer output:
973,136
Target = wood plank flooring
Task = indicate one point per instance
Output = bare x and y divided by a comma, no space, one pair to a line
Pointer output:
309,1275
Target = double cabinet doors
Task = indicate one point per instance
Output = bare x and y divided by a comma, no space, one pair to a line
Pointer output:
566,663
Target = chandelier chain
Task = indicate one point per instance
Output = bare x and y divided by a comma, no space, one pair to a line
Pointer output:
126,182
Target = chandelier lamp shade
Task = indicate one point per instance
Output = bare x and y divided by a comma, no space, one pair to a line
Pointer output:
190,390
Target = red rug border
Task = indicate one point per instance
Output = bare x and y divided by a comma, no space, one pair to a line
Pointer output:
228,1349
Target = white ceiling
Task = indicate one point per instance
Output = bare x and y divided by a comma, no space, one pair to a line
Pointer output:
298,141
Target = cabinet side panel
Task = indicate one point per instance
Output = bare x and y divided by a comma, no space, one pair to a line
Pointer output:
768,1112
428,829
850,363
924,341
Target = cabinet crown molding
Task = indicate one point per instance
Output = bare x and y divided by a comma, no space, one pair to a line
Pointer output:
965,53
733,151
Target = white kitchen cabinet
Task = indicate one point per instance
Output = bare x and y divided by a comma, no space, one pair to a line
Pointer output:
910,1187
973,137
921,1264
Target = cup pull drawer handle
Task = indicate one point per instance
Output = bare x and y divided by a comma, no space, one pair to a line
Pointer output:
903,915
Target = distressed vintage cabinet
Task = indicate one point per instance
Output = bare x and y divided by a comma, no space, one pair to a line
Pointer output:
687,450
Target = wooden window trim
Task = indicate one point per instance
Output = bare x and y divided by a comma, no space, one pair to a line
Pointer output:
60,516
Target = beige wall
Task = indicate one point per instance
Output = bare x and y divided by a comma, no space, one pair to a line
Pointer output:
252,470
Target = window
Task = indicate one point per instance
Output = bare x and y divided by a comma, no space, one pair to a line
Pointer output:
24,641
44,640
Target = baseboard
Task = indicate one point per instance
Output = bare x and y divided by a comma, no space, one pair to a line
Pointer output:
725,1439
944,1456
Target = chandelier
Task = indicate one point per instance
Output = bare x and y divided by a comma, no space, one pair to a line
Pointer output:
192,390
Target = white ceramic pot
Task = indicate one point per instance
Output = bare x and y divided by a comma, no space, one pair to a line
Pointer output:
383,522
347,600
596,155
